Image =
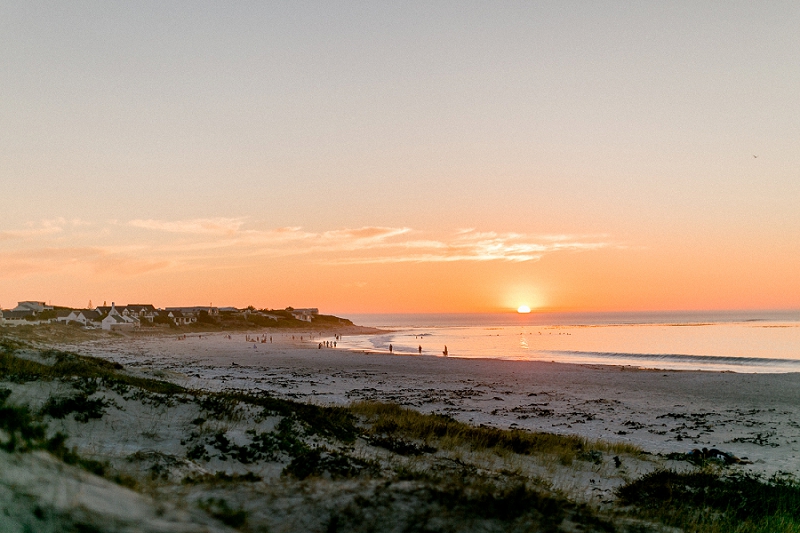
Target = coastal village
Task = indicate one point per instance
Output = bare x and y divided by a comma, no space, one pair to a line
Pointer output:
135,316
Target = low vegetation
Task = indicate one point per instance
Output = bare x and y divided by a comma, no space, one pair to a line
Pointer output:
714,500
388,424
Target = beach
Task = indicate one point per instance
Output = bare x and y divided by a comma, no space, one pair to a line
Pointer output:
661,411
276,430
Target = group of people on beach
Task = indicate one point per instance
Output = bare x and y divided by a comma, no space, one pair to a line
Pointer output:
326,344
263,339
419,349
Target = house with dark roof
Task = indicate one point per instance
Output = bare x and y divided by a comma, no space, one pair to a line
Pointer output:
140,312
181,319
194,311
116,320
15,318
87,317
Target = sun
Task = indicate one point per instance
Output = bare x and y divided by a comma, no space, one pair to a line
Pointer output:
523,309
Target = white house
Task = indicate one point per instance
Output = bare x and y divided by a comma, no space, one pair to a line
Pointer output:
115,320
304,314
144,312
181,319
86,317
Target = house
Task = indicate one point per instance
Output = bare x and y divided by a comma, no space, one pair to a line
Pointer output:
115,320
140,312
181,319
306,315
144,312
36,307
87,317
62,315
15,318
194,311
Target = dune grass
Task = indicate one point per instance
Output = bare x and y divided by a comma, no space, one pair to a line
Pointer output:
394,420
715,501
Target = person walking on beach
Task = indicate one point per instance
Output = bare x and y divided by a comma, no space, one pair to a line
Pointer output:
445,350
420,349
390,348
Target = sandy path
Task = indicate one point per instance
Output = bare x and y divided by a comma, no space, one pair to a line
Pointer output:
752,415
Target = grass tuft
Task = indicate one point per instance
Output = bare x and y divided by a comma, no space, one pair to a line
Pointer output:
219,509
709,501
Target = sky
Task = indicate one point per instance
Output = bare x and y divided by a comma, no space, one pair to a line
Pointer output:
401,156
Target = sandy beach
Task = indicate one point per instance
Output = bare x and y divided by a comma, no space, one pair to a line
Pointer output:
749,415
286,436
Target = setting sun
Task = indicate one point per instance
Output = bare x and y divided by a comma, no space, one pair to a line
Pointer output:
523,309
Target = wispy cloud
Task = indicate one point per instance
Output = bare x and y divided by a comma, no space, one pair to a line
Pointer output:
223,226
472,245
34,230
143,245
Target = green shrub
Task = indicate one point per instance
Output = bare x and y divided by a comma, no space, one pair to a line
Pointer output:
83,407
319,461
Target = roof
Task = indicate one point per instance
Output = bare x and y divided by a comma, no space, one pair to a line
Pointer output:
141,307
16,314
194,309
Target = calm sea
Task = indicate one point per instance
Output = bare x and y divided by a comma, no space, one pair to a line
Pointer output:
739,341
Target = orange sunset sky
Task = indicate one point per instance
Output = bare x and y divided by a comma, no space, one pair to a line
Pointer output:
401,156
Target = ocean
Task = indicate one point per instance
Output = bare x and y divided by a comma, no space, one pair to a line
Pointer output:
736,341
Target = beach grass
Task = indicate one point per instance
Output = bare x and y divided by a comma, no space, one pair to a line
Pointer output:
386,420
716,501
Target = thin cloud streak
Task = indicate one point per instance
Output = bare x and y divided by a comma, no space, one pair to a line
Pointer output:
224,226
193,244
486,246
